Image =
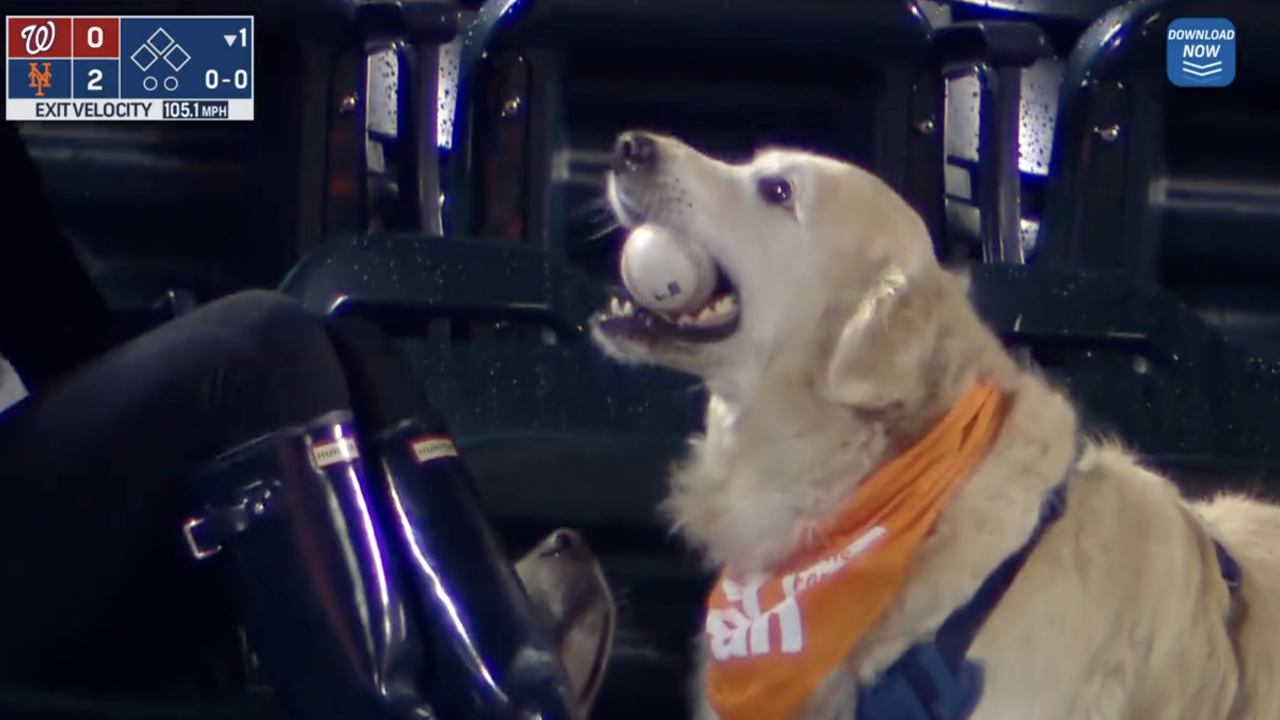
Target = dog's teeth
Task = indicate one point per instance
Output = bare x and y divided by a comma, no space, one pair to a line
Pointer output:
685,321
627,308
615,306
724,305
709,317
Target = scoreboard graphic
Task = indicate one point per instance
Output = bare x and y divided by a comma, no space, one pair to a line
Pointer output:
129,68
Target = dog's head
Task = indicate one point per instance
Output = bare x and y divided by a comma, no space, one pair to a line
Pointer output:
813,255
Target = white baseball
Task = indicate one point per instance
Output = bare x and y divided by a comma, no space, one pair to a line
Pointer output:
665,272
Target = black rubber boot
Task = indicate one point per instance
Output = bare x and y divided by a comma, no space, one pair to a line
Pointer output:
497,660
492,657
294,516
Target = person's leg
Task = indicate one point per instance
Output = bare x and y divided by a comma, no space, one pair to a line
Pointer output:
92,470
100,470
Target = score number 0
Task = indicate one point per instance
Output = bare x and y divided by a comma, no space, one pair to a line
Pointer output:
241,77
211,81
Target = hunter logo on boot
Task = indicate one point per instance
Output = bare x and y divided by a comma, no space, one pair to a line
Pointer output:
335,451
432,447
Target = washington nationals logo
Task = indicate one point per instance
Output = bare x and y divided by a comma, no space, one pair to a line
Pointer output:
39,38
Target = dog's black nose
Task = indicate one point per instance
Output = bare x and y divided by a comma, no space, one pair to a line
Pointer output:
634,151
563,541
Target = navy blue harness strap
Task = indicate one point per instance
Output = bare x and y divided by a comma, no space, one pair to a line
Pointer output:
1228,566
933,680
960,630
942,681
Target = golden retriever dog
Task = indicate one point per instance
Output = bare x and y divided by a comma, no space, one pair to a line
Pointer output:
835,343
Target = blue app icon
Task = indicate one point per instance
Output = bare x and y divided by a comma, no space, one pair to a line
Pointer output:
1201,52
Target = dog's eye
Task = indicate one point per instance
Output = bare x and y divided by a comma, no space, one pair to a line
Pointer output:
775,191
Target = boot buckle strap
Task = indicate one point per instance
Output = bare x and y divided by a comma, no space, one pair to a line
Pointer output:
207,531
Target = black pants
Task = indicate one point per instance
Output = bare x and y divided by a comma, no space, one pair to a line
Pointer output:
94,479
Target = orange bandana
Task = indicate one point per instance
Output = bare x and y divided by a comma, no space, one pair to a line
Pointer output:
772,639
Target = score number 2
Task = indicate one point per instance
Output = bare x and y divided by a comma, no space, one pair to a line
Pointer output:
95,38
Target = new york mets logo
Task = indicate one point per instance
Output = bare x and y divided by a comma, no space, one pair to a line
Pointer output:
41,80
39,38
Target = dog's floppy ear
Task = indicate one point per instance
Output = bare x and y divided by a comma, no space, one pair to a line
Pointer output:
877,359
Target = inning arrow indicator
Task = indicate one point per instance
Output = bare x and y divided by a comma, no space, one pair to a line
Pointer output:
231,39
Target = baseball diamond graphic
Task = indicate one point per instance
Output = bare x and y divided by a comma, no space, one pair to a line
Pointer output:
160,46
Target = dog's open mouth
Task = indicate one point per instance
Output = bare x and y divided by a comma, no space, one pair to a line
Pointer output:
715,320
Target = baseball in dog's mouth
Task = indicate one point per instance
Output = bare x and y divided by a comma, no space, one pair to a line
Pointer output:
715,320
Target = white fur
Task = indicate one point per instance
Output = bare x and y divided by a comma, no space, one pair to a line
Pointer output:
853,341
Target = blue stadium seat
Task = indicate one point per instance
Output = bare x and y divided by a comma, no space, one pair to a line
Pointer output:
1157,218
